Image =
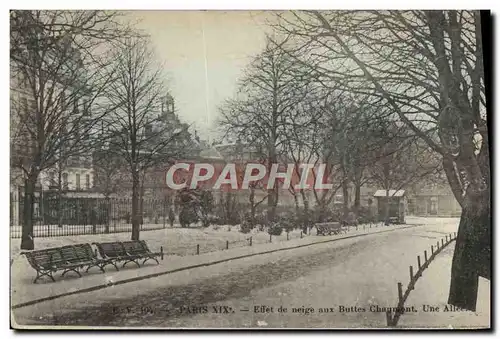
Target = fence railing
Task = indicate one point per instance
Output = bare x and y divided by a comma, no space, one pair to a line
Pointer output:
79,216
250,241
392,319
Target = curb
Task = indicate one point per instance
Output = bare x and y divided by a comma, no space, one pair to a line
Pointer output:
211,263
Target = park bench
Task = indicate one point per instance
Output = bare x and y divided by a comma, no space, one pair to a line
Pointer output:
69,258
85,255
329,228
127,251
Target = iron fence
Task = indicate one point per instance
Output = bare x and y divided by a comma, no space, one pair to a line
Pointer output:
53,216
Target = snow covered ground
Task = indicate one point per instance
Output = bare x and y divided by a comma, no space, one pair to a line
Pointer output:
356,272
181,240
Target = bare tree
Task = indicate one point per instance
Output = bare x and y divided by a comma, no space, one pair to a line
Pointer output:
427,66
402,160
140,133
59,69
110,174
257,116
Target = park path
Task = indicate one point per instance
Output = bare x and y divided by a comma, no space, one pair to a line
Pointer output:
24,291
356,272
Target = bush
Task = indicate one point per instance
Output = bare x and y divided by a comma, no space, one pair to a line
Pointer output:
287,221
233,219
351,219
365,215
216,220
275,229
246,224
245,227
187,216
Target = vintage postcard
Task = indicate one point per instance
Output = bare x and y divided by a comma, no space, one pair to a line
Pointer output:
315,169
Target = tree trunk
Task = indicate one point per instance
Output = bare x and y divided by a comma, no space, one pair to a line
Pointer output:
357,198
472,256
386,208
59,199
141,204
135,206
272,202
108,214
272,198
306,219
27,242
345,195
252,206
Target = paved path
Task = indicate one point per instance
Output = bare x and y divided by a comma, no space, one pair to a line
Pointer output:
24,291
354,273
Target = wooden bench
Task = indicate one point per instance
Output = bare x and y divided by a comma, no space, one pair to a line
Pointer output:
85,255
126,252
329,228
69,258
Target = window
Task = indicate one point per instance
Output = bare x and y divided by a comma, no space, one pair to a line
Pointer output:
65,180
87,181
78,182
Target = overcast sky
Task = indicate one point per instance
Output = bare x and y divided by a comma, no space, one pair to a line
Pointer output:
231,39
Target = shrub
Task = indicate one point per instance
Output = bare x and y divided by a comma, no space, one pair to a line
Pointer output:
187,216
245,227
365,215
286,221
216,220
275,229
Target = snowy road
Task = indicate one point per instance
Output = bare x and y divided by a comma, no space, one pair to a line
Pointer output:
338,284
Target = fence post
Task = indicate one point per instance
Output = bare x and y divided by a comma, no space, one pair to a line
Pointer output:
227,244
442,242
411,273
425,255
418,261
250,240
437,249
270,239
300,234
388,318
161,252
287,238
432,249
197,249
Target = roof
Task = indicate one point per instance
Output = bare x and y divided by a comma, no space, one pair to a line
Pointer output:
210,153
392,193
